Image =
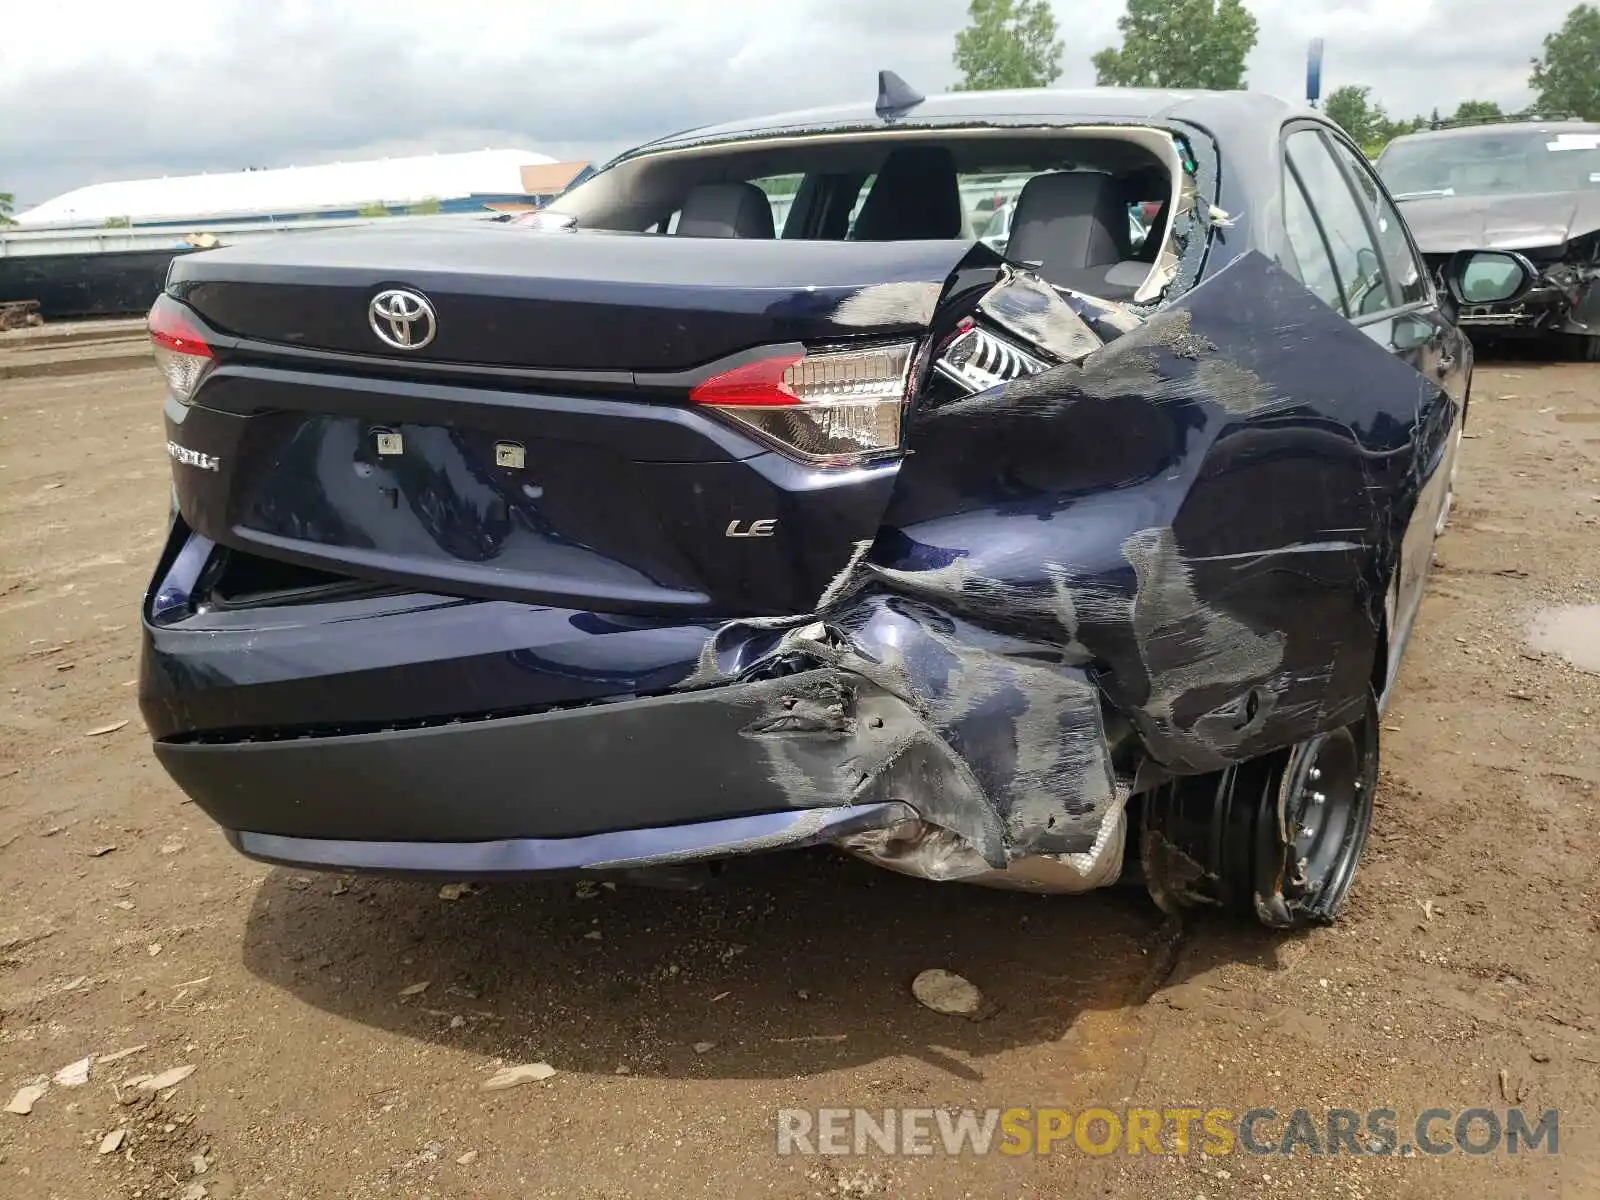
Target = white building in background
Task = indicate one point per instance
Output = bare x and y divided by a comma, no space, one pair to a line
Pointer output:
507,178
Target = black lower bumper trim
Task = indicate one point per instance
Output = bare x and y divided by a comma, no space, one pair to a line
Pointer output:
796,743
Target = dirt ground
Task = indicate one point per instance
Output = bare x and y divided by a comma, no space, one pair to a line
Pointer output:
1465,973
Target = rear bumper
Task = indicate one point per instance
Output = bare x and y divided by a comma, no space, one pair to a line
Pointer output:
778,746
417,733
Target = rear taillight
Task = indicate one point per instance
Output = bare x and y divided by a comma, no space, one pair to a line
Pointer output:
979,360
827,406
179,346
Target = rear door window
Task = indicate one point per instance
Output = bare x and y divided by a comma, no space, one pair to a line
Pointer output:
1310,250
1407,273
1357,262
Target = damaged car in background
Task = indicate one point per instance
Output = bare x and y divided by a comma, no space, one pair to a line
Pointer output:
652,532
1528,187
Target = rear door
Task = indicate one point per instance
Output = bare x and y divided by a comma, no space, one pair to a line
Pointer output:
1355,253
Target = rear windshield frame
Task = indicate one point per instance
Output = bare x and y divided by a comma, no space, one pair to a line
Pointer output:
595,203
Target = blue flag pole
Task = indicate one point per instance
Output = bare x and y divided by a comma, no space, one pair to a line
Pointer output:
1314,72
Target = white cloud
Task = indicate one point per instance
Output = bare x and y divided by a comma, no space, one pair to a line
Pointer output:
97,91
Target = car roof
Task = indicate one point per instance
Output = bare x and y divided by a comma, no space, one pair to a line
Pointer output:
1500,127
1067,107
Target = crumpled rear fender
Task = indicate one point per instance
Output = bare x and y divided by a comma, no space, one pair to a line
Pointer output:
988,736
1203,514
1173,550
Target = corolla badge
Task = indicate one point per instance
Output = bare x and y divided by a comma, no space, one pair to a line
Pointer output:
403,319
193,458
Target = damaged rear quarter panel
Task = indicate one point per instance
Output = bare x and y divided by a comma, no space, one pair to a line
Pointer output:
1204,514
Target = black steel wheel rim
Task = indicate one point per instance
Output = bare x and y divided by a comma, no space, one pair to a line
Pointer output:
1325,802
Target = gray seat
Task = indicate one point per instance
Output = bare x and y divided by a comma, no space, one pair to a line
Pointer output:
725,210
915,197
1075,225
1140,188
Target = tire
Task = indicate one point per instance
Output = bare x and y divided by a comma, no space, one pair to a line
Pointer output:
1279,837
1582,347
1450,488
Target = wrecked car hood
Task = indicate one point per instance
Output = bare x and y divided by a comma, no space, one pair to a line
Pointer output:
1445,224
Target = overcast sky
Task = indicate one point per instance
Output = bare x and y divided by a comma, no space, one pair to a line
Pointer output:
93,91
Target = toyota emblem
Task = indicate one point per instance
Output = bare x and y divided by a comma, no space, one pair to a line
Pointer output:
402,319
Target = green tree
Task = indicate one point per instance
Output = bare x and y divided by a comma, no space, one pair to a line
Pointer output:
1567,78
6,201
1393,129
1477,110
1179,44
1351,108
1008,44
1369,126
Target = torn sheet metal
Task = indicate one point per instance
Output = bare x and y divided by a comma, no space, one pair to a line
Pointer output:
1175,241
1029,308
924,850
891,754
1008,753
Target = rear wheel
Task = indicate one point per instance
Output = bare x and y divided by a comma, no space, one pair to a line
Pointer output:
1582,347
1454,467
1279,836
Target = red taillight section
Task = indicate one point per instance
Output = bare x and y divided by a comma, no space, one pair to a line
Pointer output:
834,407
172,328
179,346
760,383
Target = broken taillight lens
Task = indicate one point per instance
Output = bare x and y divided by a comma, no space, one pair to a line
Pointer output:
179,346
828,406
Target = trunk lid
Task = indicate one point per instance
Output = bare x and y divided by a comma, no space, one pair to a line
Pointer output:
542,446
590,301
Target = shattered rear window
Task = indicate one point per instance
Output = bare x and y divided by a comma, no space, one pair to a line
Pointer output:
988,174
1129,182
